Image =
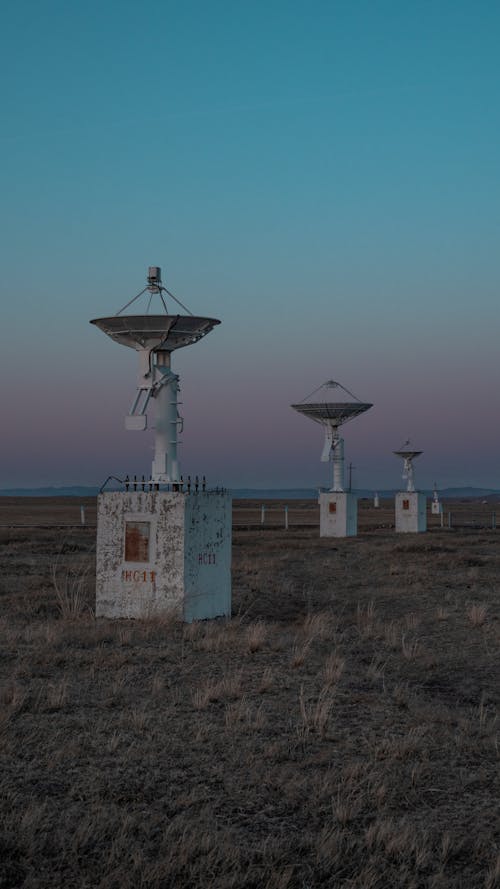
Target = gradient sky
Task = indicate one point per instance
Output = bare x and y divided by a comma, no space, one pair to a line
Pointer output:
324,177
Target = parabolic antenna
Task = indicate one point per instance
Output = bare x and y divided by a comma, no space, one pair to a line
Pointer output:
155,337
408,455
332,405
165,332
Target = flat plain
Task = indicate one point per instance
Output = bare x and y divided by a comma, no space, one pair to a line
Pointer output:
340,730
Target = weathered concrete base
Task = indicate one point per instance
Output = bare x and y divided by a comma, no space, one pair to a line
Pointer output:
163,551
411,512
338,514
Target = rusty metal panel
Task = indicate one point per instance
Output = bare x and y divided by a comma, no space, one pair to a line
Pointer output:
137,541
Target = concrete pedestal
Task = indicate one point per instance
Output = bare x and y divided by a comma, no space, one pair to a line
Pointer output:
163,551
338,514
411,512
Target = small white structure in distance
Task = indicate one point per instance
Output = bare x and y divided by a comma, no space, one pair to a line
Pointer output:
162,544
376,501
332,406
410,505
436,505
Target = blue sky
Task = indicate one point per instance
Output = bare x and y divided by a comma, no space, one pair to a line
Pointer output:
322,177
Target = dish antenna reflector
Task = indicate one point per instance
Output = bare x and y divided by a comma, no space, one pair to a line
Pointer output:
332,405
155,337
408,455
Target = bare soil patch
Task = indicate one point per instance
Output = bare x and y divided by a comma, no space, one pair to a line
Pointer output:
341,730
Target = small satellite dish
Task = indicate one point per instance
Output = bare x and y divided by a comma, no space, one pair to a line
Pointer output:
408,455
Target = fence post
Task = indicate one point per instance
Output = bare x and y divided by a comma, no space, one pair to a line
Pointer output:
286,518
82,515
441,514
262,514
449,520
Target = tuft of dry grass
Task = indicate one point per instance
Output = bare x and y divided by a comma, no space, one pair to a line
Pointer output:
300,652
256,635
266,681
213,690
365,619
57,694
243,715
73,589
315,714
492,880
409,647
477,613
376,668
333,668
319,625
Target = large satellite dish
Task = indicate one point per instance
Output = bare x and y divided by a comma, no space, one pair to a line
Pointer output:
165,332
154,336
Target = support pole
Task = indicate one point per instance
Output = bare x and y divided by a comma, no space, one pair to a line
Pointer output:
165,464
338,462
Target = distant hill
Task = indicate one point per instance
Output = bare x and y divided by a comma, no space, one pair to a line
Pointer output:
71,491
252,493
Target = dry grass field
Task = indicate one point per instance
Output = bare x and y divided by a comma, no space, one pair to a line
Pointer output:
341,730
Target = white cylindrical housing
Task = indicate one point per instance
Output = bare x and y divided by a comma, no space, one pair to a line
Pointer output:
408,474
165,468
338,462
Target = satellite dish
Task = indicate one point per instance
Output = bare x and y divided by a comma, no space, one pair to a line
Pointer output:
158,332
155,337
332,405
408,455
328,411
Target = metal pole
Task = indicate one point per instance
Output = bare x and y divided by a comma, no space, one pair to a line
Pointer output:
350,477
449,520
442,517
82,515
262,514
286,518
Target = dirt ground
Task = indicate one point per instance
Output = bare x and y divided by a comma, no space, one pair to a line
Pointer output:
341,730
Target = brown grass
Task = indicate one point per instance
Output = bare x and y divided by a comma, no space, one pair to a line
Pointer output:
341,730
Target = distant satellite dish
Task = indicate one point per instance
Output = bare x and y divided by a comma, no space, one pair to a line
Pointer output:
332,412
326,410
408,454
